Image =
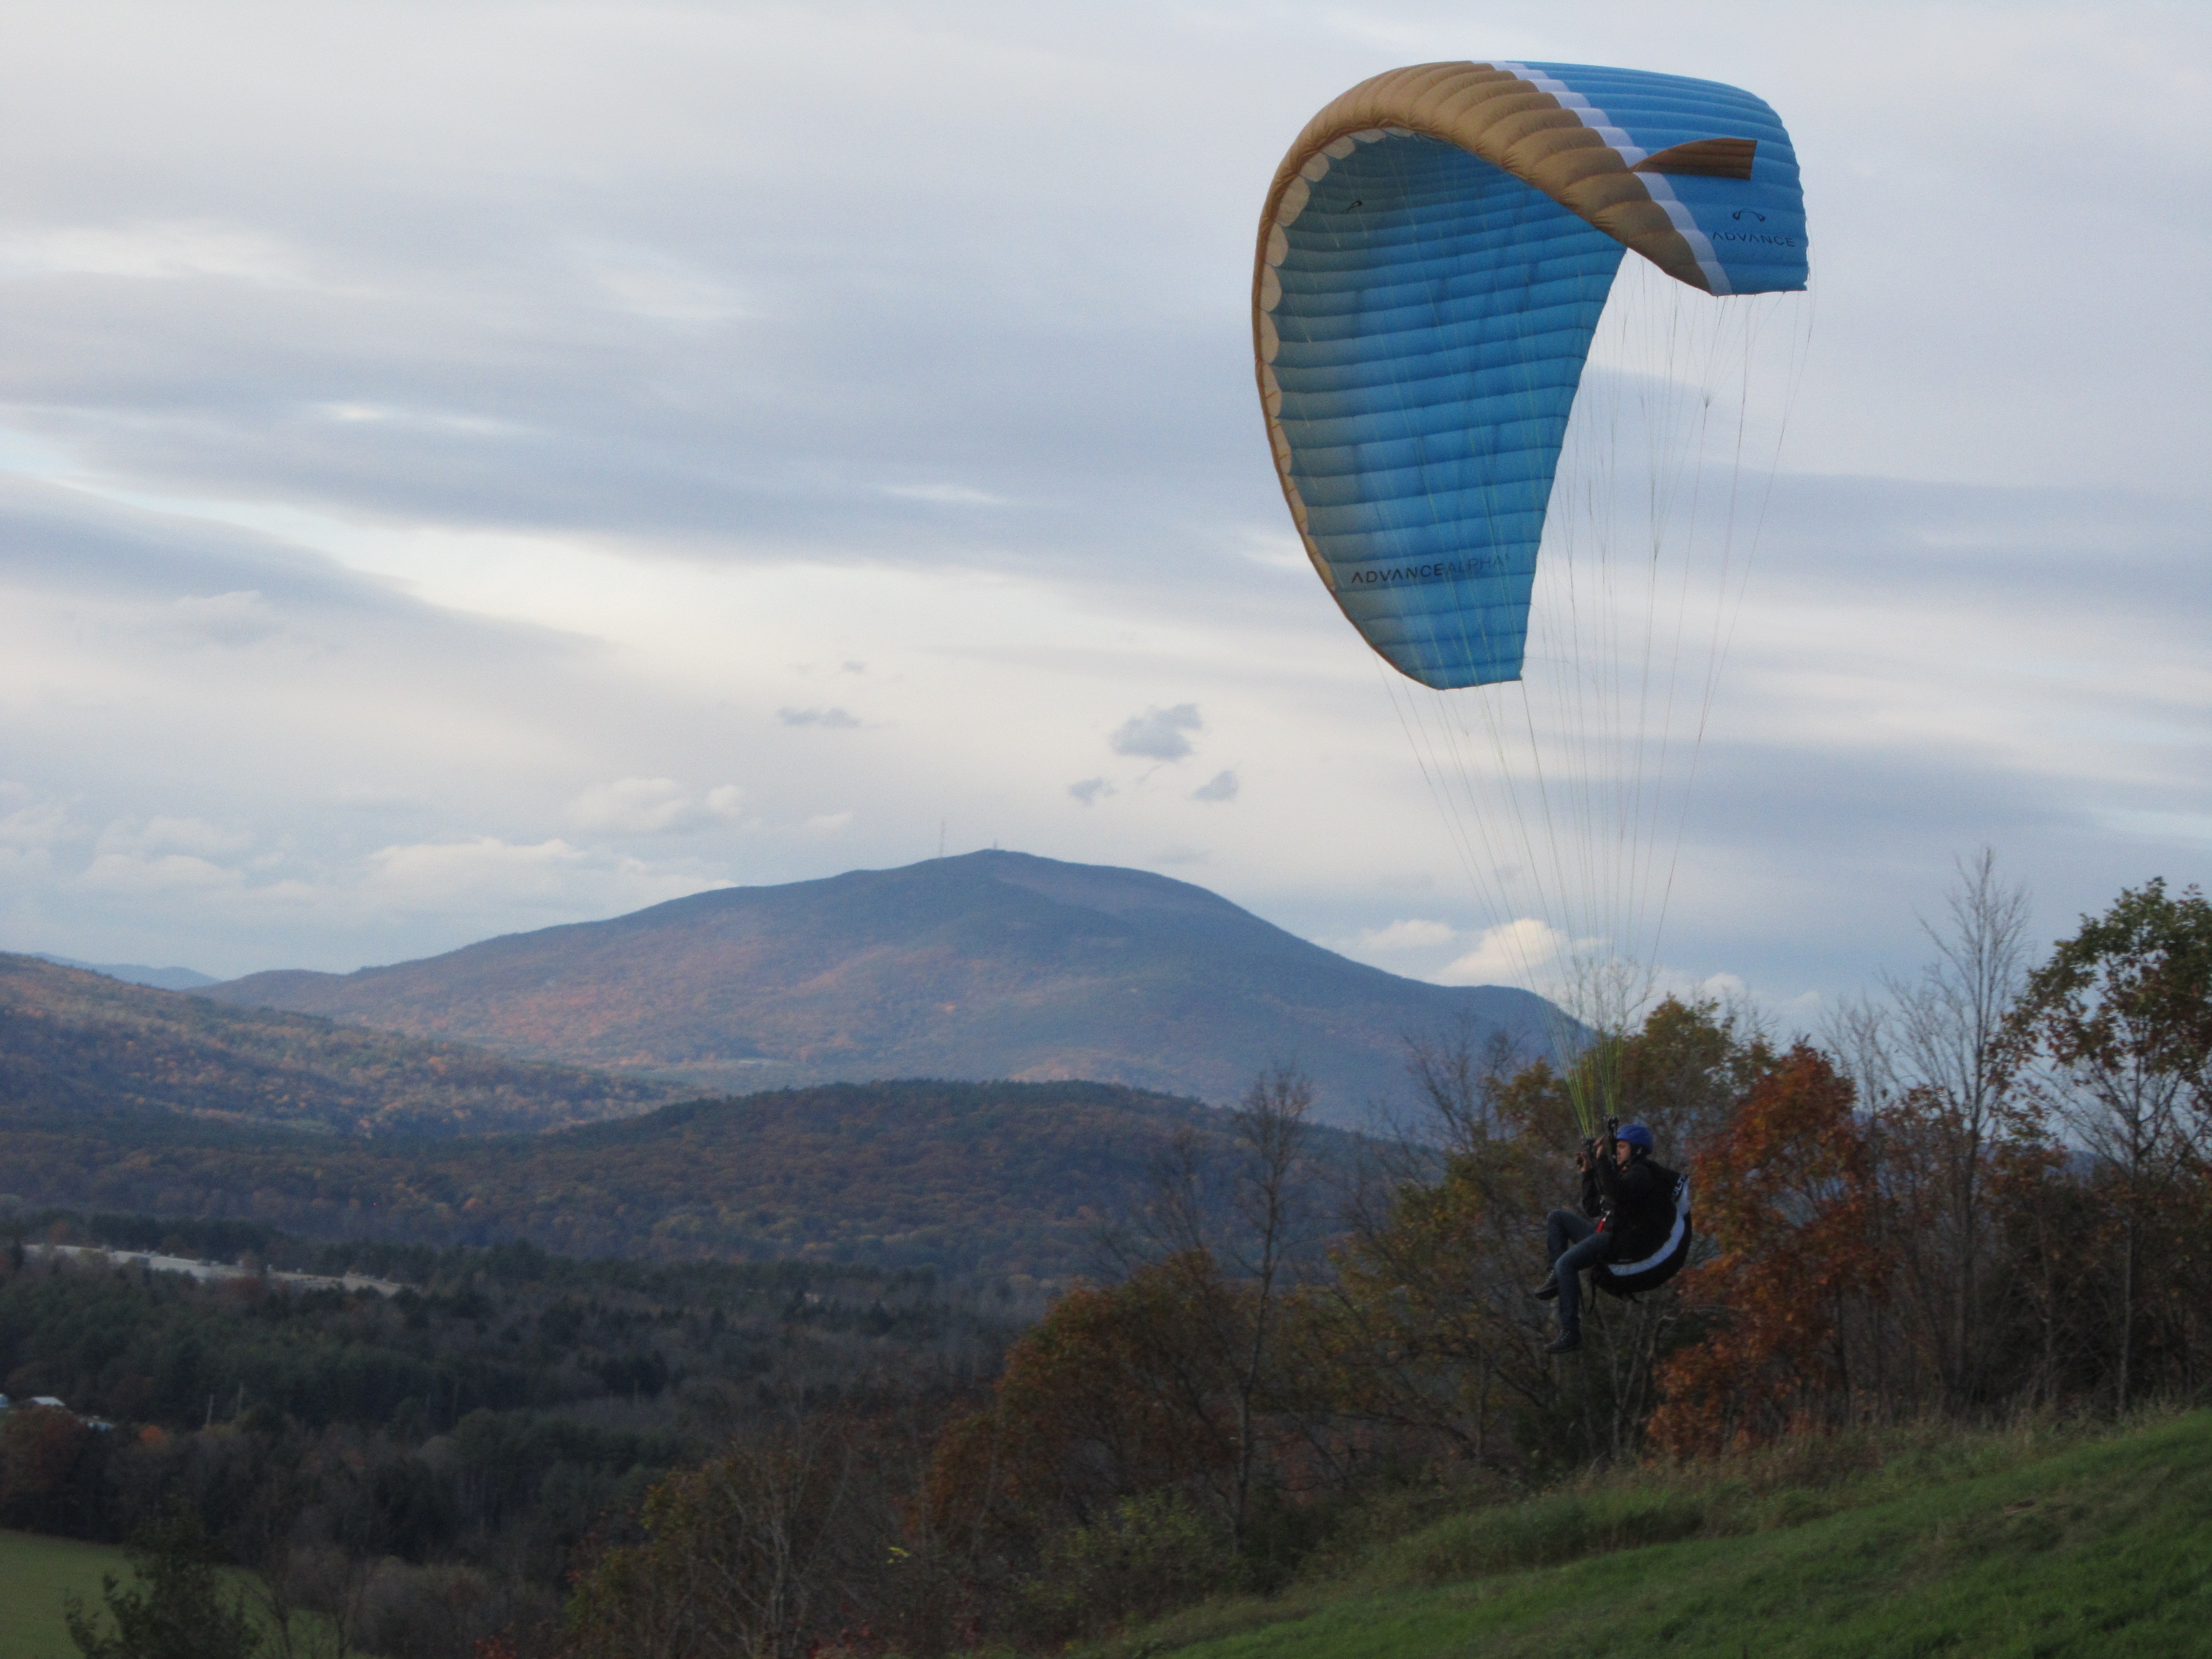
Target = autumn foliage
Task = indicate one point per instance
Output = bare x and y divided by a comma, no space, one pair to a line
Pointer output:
1112,1395
1785,1194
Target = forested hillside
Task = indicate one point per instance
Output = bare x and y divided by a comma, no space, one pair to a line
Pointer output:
425,1468
968,1179
73,1042
991,965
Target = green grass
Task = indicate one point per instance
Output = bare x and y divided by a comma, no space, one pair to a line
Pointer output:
36,1573
2048,1543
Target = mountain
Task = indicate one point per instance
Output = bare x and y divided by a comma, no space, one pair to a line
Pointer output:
992,965
81,1042
970,1179
137,973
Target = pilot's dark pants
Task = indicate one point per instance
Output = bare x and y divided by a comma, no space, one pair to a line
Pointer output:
1575,1246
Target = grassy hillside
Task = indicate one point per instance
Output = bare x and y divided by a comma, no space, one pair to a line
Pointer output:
991,965
991,1179
39,1574
76,1041
2050,1545
35,1574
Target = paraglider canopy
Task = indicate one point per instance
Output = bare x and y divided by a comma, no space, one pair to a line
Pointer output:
1434,253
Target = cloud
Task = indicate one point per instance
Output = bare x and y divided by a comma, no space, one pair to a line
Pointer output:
229,619
836,719
1413,933
1511,954
370,797
38,825
166,874
174,835
466,879
828,823
651,806
648,284
1221,786
157,251
438,874
1090,789
1157,733
946,494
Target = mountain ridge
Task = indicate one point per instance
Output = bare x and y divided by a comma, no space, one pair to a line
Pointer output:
990,965
86,1043
134,973
965,1179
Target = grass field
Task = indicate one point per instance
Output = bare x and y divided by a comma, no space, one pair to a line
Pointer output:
36,1573
2053,1546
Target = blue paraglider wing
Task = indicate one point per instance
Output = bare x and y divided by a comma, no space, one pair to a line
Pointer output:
1434,257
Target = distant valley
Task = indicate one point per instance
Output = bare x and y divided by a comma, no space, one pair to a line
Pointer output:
992,965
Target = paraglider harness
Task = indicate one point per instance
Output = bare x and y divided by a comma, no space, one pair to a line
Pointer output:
1655,1267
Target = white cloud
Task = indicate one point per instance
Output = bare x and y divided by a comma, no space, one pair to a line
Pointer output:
357,793
160,251
1157,733
1514,953
651,806
39,825
1412,934
488,876
163,834
647,283
159,873
229,619
828,823
945,495
438,874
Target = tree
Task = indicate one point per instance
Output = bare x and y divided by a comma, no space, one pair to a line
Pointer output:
1952,1023
1118,1391
1425,1327
752,1555
1429,1325
1786,1197
2114,1034
40,1449
1238,1231
1931,1067
178,1610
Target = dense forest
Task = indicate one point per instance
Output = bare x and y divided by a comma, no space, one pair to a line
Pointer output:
423,1468
1978,1198
965,1179
74,1041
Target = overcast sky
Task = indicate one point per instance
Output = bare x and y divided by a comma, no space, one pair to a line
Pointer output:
467,467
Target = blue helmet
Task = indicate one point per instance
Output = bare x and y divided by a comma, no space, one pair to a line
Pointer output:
1637,1136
